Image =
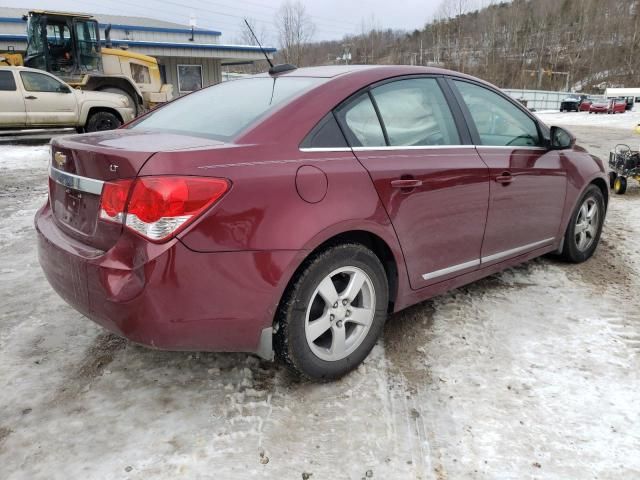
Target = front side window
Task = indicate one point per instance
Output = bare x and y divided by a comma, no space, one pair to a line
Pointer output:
221,112
7,82
498,121
39,82
415,113
360,123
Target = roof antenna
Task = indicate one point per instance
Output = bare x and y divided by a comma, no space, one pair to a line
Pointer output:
273,69
258,42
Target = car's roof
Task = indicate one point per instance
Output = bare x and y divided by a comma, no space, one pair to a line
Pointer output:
331,71
27,69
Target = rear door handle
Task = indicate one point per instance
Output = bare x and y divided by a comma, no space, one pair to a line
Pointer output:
504,178
31,97
406,183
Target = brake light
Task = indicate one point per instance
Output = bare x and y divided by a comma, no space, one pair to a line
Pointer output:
159,207
114,200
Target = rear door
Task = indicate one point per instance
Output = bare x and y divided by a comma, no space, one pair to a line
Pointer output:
48,101
528,181
12,109
429,177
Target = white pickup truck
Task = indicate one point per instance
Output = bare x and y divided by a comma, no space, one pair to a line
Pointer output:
32,98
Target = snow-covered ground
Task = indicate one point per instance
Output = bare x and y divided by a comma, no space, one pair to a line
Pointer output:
625,121
529,374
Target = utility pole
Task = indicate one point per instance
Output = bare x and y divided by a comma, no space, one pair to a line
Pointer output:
421,53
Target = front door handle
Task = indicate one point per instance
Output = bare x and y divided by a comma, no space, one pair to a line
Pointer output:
31,97
406,183
504,178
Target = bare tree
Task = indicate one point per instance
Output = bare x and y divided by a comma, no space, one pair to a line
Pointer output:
246,37
295,30
551,44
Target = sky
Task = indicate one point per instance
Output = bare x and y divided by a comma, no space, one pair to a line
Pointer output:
332,18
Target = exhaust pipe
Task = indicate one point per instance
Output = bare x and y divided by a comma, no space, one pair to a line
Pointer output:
107,36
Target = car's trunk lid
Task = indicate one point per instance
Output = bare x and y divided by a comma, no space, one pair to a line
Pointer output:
81,164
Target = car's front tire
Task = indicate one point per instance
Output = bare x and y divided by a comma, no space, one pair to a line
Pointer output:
585,226
332,313
100,121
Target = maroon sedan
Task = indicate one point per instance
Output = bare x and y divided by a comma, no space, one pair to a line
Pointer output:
608,106
293,212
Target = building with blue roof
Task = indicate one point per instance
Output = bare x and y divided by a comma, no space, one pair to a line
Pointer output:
188,58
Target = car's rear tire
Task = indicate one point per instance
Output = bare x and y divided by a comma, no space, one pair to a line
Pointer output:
100,121
333,312
585,226
620,185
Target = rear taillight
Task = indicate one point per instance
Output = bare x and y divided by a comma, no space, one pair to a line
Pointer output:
159,207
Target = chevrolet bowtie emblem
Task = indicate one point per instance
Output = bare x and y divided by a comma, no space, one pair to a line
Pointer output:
60,159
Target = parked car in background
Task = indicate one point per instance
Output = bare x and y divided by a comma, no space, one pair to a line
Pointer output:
585,104
31,98
608,106
570,104
293,211
618,105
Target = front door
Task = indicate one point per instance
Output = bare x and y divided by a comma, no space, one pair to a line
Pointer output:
12,110
528,181
48,101
431,181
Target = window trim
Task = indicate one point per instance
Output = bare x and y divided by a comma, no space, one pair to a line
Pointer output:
543,136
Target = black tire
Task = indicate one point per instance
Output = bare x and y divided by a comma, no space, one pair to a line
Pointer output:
612,178
290,340
570,250
100,121
620,185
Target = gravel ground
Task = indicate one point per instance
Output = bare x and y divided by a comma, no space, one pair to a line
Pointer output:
532,373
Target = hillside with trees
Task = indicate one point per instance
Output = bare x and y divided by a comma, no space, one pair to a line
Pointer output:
584,45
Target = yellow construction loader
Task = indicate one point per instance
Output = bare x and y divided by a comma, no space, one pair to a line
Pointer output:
68,45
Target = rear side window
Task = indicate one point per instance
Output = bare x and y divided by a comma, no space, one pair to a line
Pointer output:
221,112
415,113
7,82
326,134
498,121
360,123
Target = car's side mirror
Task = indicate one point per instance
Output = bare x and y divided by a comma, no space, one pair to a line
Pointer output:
561,139
64,89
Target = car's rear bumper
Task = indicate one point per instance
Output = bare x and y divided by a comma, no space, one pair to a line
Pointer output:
167,296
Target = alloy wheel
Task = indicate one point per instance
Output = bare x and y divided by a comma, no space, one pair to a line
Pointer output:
340,313
586,227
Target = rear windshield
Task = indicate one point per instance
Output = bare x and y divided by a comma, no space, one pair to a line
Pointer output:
224,110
